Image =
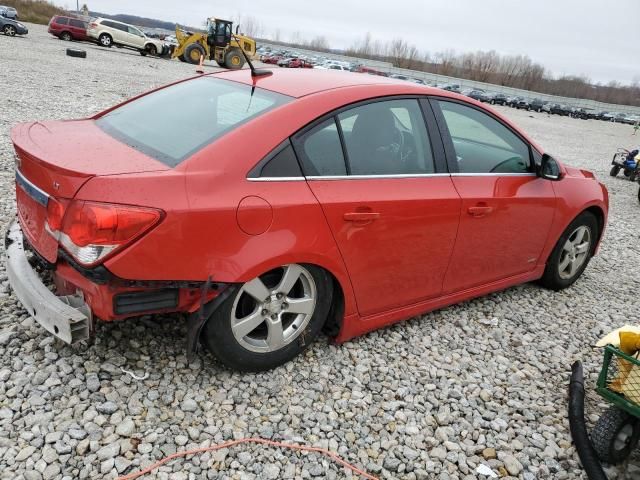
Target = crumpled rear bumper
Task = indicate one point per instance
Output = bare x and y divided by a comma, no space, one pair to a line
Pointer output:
67,317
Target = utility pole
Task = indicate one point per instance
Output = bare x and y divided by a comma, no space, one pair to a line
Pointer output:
77,6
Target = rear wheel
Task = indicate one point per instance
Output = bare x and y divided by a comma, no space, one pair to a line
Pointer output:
105,40
572,253
233,59
193,52
66,36
270,319
614,170
615,435
9,30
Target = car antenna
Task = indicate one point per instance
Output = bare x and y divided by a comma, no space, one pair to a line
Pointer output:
255,72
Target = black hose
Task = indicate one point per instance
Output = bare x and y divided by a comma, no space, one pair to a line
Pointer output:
587,454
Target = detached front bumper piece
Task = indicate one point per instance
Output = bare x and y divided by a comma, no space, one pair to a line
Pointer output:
67,317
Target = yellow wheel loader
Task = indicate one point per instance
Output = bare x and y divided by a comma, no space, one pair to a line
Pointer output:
219,44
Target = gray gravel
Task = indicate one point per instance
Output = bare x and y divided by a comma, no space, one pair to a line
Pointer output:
481,382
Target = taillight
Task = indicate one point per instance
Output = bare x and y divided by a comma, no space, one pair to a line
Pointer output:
90,231
93,25
55,213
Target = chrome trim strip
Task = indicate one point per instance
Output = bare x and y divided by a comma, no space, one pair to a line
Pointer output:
493,174
30,189
373,177
277,179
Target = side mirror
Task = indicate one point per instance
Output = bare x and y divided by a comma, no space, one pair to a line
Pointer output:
549,168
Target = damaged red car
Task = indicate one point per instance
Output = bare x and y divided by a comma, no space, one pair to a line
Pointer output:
271,208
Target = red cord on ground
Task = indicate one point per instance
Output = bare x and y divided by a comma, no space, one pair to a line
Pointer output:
291,446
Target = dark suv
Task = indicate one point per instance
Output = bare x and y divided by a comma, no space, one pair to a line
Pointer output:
537,104
68,28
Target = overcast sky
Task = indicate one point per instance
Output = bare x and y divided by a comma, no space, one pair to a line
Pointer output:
599,39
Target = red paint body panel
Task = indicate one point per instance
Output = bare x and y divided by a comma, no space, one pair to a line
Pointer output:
405,251
509,238
220,225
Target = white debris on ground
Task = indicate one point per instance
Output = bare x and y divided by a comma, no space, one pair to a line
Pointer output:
480,383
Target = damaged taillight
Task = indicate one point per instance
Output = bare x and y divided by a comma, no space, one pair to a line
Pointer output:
90,231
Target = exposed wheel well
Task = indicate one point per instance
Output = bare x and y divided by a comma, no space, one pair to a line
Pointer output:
599,214
333,324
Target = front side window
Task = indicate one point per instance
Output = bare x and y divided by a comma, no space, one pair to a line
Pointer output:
482,144
387,138
173,123
77,23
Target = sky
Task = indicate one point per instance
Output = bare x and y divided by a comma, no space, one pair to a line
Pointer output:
597,39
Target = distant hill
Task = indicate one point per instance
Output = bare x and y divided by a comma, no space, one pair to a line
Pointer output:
34,11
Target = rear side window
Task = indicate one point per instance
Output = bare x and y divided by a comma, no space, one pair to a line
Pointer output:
62,21
321,150
173,123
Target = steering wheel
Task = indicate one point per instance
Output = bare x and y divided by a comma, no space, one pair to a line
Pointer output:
504,162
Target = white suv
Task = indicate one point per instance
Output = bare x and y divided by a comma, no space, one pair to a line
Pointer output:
110,32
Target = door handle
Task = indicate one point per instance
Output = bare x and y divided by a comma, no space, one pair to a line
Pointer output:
361,216
480,210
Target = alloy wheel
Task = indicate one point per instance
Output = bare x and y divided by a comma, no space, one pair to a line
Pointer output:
574,252
272,310
10,30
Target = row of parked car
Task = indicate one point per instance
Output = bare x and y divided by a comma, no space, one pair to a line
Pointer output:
293,59
539,105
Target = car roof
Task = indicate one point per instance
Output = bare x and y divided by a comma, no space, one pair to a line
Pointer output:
300,83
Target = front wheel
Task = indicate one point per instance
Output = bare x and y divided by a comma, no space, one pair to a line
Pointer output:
572,253
151,49
270,319
233,59
615,435
614,170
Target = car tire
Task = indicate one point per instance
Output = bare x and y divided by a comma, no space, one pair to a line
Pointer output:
572,253
66,36
9,30
614,170
76,52
633,176
233,59
142,52
252,348
181,58
615,435
151,49
193,52
105,40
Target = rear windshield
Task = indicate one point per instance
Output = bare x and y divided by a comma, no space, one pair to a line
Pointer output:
172,124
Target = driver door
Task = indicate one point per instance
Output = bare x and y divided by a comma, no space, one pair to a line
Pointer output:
507,209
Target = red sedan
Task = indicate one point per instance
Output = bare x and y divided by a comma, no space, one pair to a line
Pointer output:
270,208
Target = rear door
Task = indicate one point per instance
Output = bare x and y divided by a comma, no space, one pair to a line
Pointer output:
78,29
507,210
393,210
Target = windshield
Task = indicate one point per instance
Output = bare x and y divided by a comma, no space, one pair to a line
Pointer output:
172,124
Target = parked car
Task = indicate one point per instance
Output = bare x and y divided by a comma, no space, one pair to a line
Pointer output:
111,32
8,12
522,103
68,28
299,63
582,113
537,104
560,109
476,94
619,117
122,210
283,62
271,59
419,81
498,99
451,87
12,27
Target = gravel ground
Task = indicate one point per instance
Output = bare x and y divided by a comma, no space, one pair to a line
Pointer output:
481,382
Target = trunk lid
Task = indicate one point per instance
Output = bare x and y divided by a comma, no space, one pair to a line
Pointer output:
54,159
